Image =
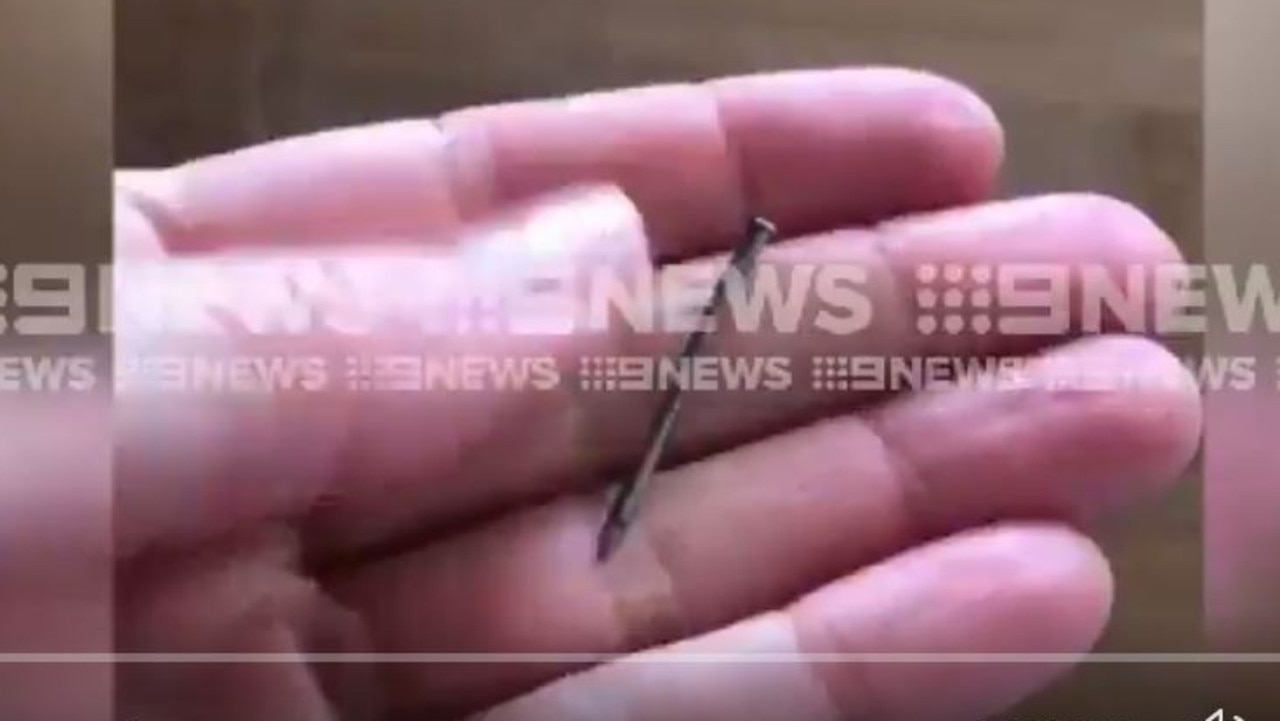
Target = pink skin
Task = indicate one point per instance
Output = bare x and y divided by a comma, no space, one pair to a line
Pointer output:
896,525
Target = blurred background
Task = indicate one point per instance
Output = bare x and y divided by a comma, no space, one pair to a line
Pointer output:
1100,95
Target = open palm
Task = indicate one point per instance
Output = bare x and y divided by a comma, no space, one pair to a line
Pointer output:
807,534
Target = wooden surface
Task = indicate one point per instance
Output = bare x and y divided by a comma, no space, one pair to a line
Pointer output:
1099,94
1096,94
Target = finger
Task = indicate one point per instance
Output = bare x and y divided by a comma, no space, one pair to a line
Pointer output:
228,418
574,437
388,463
134,234
812,150
752,528
1005,590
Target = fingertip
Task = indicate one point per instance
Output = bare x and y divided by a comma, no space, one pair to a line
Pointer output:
1040,593
1128,227
946,101
932,142
1060,574
972,137
1048,568
1146,411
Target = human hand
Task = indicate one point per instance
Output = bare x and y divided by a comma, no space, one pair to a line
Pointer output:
815,526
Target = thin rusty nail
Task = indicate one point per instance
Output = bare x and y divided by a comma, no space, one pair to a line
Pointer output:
625,505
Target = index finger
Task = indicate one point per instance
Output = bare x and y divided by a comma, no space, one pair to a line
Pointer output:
812,150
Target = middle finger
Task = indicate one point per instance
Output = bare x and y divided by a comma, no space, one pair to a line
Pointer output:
568,439
751,529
